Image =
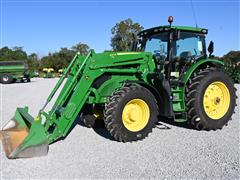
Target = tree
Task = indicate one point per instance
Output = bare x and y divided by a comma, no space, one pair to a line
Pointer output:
123,34
33,61
57,60
82,48
62,58
232,64
233,56
16,53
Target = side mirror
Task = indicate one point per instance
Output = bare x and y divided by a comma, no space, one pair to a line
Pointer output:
211,48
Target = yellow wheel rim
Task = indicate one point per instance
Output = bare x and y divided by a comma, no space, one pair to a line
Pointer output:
216,100
135,115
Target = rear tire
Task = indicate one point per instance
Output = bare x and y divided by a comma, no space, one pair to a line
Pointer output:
6,79
131,113
211,99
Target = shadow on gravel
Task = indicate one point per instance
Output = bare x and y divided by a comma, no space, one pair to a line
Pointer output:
77,122
169,121
100,129
19,82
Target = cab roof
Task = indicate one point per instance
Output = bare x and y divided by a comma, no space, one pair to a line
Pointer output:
166,28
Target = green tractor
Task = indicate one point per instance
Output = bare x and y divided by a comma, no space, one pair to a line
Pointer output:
60,72
169,74
48,73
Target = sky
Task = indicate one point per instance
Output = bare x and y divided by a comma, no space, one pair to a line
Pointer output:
43,26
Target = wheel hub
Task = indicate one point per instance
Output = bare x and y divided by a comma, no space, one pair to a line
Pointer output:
135,115
5,78
216,100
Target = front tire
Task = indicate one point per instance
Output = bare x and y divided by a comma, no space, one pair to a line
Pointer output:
131,113
210,98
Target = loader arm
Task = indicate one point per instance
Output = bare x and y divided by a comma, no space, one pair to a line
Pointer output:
71,99
35,134
24,136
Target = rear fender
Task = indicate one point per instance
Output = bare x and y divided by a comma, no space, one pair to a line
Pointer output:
201,64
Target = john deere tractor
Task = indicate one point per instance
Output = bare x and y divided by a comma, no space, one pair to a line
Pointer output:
48,73
169,74
60,72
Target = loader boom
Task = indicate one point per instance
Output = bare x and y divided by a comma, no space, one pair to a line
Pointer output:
25,136
71,99
59,82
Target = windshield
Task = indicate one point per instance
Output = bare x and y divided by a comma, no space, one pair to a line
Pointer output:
189,45
157,44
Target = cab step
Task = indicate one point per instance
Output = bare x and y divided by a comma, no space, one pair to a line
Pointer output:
180,117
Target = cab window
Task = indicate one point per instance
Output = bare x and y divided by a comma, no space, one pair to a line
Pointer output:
157,44
189,45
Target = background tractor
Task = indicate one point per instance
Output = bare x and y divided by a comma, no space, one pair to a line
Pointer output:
60,72
48,72
168,74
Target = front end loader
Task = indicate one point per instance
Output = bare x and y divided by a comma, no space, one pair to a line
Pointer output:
167,74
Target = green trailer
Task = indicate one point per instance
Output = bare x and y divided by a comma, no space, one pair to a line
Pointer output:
12,71
168,74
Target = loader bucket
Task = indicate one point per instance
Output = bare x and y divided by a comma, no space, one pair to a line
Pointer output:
22,137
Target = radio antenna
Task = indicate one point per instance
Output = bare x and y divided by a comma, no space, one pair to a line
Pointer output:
194,15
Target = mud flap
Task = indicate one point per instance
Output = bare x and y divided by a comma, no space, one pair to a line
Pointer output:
22,137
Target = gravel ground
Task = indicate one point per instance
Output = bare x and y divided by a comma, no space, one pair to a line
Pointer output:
171,151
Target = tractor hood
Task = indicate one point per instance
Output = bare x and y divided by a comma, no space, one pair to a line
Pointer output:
114,59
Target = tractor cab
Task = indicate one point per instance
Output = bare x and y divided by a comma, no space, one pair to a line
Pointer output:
173,47
187,42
